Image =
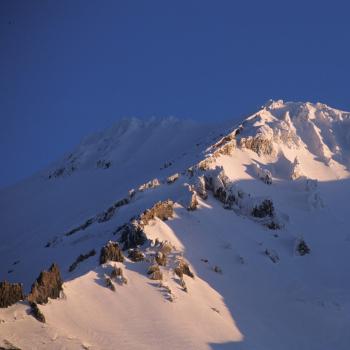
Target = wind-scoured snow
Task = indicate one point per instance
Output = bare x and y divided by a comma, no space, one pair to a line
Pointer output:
245,196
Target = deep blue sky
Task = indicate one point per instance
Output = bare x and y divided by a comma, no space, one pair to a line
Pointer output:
68,68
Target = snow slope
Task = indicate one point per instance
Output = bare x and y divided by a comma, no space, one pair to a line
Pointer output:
251,289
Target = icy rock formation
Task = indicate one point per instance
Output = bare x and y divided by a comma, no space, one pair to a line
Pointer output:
296,171
263,174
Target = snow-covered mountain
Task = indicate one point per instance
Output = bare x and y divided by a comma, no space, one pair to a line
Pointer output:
228,236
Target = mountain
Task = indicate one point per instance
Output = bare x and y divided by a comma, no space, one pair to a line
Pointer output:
173,234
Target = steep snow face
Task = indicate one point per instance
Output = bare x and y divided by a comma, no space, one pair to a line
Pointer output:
242,200
316,134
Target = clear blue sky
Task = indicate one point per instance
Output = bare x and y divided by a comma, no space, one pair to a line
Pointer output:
68,68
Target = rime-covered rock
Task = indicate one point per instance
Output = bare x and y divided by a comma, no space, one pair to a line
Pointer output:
200,187
10,293
111,252
296,171
263,174
48,285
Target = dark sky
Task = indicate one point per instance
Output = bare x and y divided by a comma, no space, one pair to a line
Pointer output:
68,68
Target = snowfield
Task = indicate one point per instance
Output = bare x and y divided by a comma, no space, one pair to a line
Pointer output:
258,224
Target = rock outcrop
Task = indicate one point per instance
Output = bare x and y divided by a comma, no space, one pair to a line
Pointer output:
258,144
48,285
111,252
301,247
136,255
264,209
182,268
132,233
10,293
80,259
162,210
36,313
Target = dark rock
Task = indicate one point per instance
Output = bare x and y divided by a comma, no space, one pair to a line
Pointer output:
161,259
273,225
109,213
302,248
109,284
117,274
155,273
136,255
7,345
272,255
266,208
111,252
183,268
35,311
162,210
116,271
81,258
10,293
48,285
165,247
132,235
171,179
104,164
84,226
217,269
